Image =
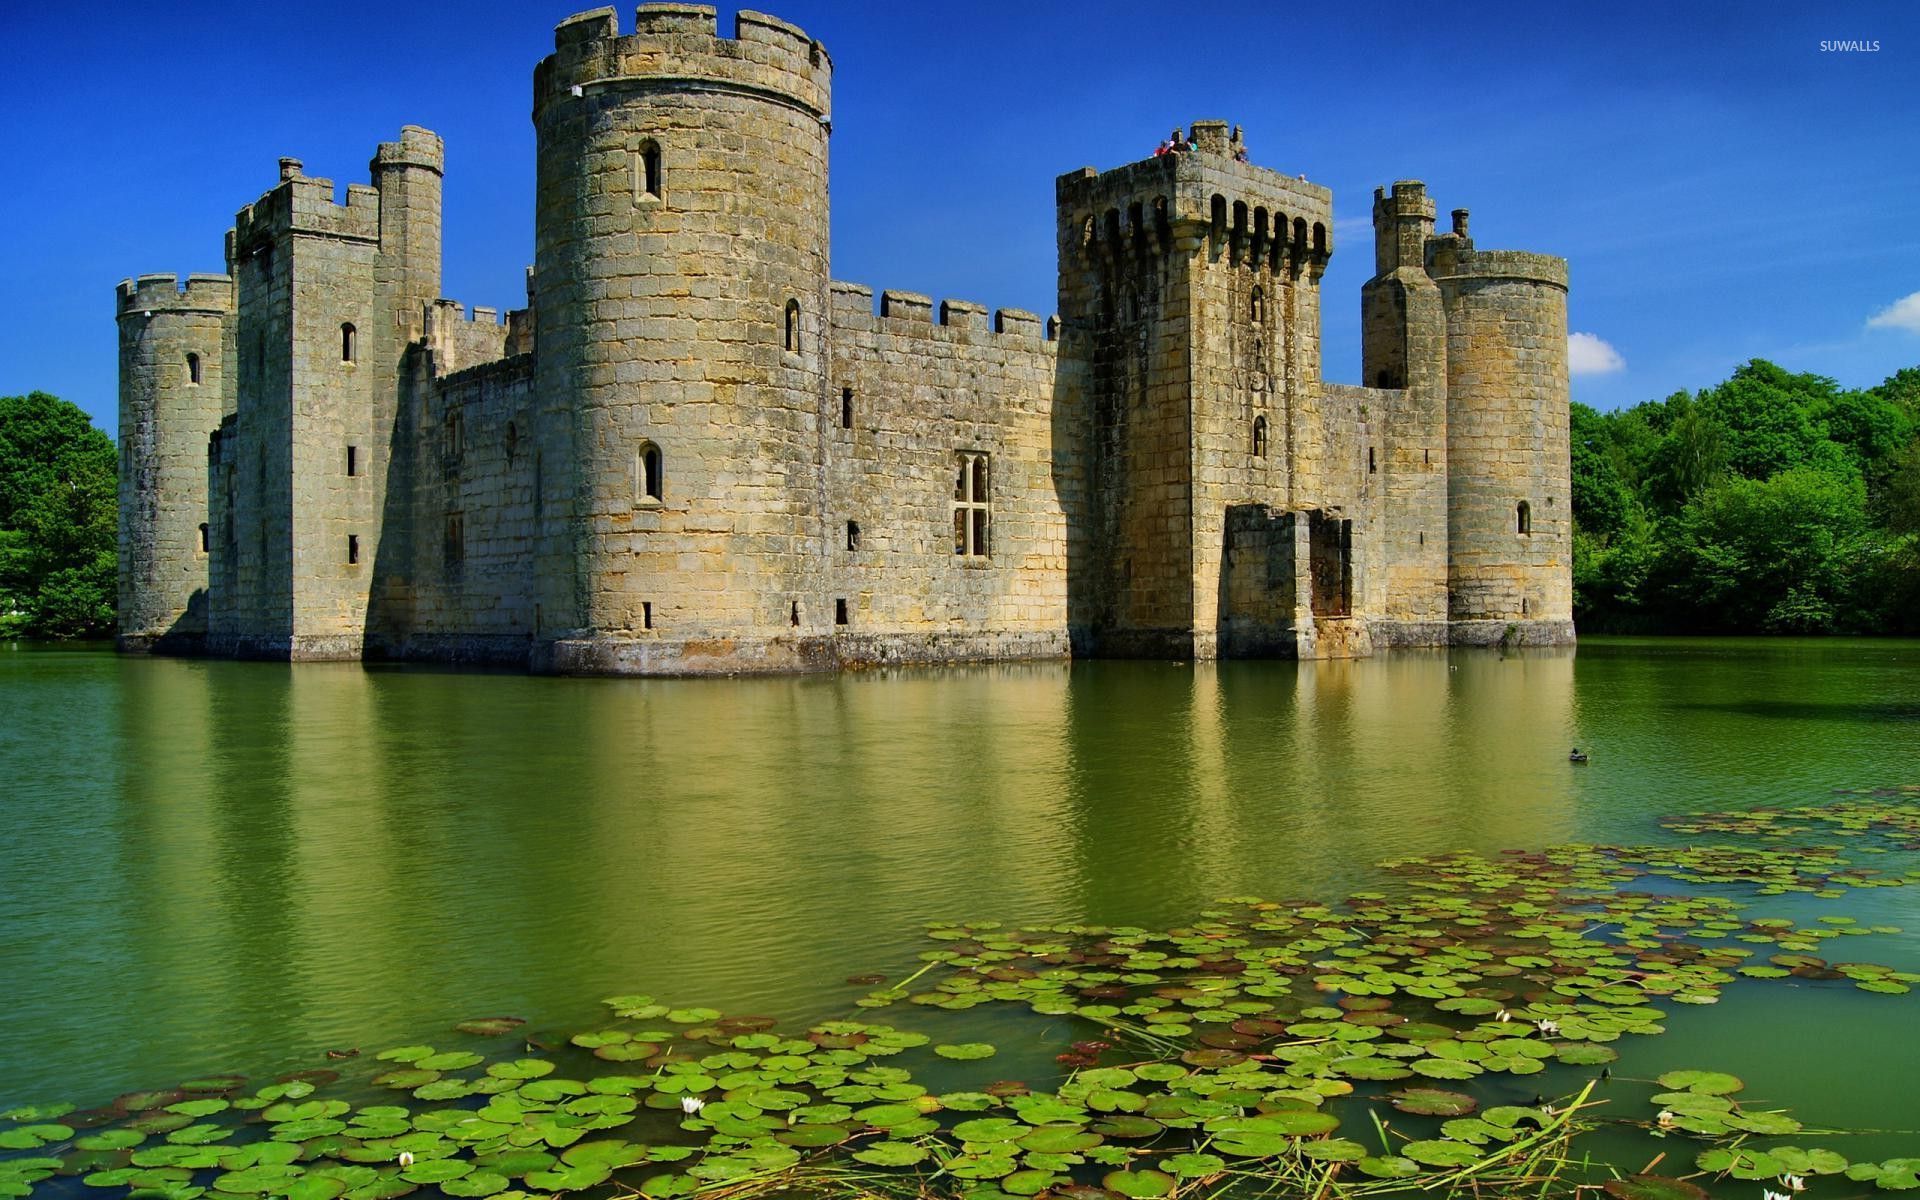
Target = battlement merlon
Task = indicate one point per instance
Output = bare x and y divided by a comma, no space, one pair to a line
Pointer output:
853,309
149,294
676,46
1451,258
1200,190
302,204
1402,223
417,147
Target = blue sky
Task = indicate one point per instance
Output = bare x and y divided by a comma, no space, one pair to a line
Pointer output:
1723,188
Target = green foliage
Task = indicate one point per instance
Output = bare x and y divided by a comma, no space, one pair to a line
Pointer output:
58,517
1770,503
1777,554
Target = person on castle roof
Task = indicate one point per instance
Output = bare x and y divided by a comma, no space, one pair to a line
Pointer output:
1166,147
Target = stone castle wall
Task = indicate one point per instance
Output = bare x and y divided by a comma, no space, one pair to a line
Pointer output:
916,402
693,452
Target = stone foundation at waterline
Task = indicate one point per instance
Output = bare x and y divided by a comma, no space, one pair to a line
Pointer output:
693,451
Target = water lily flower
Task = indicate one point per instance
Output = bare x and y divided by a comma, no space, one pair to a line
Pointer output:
1503,1016
691,1104
1794,1183
1770,1194
1548,1026
406,1159
1663,1118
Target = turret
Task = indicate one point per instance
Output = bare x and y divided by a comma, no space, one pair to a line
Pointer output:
1509,517
680,299
407,174
174,385
1404,352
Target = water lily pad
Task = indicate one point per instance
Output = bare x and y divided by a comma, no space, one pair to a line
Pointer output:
892,1154
1127,1127
1433,1102
1142,1183
1438,1153
965,1050
1711,1083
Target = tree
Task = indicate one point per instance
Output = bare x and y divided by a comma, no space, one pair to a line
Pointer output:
1692,455
1781,555
1601,498
58,518
1769,417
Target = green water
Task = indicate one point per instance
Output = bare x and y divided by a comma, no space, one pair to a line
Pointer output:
218,866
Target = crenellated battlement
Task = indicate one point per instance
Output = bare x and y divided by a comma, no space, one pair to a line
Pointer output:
417,147
1202,194
305,204
149,294
678,47
1452,257
853,310
459,338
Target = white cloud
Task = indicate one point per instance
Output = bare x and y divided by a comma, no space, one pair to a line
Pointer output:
1901,314
1588,354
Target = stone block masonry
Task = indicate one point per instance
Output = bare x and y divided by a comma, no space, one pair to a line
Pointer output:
694,452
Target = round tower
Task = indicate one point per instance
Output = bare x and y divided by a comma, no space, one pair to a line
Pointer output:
172,383
1509,515
680,294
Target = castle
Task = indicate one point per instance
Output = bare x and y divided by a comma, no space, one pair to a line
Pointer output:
694,451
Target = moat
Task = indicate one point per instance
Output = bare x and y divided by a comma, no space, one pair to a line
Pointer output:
217,866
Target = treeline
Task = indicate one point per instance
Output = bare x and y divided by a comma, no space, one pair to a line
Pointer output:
58,513
1771,503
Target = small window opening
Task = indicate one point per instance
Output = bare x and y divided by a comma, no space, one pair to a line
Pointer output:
353,548
1523,606
513,439
650,169
348,343
793,326
205,539
646,614
456,433
456,547
1524,518
853,535
1259,437
971,505
846,408
839,612
648,472
1383,380
353,461
1426,458
794,620
1259,306
1370,467
1423,537
193,369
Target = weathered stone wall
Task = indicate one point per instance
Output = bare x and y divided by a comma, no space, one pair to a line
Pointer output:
1404,351
173,390
1507,417
1254,307
914,402
466,568
680,294
1124,313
